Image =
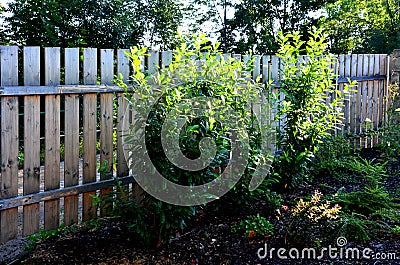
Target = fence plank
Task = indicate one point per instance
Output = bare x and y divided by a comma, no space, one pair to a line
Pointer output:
52,138
9,66
153,62
122,127
106,139
266,63
89,152
52,159
31,66
71,157
370,104
166,58
9,142
72,66
31,179
364,100
89,66
123,64
52,66
107,66
9,164
257,67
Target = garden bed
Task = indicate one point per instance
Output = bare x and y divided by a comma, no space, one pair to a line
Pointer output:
209,239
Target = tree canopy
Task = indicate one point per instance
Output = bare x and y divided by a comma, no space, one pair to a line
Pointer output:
94,23
359,26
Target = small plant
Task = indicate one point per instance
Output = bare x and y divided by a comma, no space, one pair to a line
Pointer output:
314,221
396,230
254,226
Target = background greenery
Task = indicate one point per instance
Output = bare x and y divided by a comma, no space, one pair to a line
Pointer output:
360,26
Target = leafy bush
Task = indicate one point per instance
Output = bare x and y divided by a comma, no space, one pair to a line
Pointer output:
305,83
254,226
198,70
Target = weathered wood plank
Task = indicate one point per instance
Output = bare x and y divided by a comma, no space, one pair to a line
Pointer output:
9,66
52,160
257,67
71,157
275,68
364,102
123,64
266,66
72,66
106,140
31,66
166,58
122,130
9,163
57,90
90,66
107,66
52,66
31,161
153,61
30,199
31,179
89,152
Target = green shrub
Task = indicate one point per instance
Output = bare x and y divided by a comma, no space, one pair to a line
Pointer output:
198,70
306,115
254,226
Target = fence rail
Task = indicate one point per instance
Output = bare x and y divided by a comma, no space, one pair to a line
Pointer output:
47,93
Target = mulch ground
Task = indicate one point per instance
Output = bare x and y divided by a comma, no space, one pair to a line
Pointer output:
208,239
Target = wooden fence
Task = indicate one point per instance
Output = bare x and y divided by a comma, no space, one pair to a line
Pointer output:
70,111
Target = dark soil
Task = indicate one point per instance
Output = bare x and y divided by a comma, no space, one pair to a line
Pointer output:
208,239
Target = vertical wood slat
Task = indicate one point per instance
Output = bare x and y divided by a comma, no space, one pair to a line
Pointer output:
89,131
107,66
364,102
370,103
9,165
166,58
106,139
123,64
89,152
90,66
9,65
153,62
31,179
52,138
71,140
346,108
72,66
71,156
377,105
9,142
122,129
257,67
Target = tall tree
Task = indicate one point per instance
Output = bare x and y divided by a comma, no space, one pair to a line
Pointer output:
94,23
361,26
3,39
257,22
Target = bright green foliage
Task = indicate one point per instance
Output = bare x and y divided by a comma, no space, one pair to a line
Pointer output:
99,24
362,26
305,83
198,70
254,226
